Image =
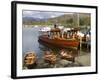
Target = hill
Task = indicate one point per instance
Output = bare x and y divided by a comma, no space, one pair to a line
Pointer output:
64,20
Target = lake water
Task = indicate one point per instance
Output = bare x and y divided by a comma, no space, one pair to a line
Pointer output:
30,40
30,43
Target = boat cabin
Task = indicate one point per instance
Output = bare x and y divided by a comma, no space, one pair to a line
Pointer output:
54,33
57,33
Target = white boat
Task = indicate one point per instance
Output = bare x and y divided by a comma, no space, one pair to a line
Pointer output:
45,29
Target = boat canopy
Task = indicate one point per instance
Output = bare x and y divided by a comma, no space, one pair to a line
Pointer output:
55,30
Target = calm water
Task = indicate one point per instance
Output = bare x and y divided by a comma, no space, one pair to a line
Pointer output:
30,42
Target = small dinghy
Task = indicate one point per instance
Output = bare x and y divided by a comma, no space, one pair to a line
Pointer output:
67,55
49,57
30,60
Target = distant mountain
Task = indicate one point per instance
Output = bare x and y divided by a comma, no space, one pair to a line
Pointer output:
32,19
65,20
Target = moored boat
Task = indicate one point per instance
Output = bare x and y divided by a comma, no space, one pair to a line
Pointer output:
30,60
58,38
50,57
59,42
68,55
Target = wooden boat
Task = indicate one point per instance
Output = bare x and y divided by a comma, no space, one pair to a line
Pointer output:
58,40
67,55
30,60
50,57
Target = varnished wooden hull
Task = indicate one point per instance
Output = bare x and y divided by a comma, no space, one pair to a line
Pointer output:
59,42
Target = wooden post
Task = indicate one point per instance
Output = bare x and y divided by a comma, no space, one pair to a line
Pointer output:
80,43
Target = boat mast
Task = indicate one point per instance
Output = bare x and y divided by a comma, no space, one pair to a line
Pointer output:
76,22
